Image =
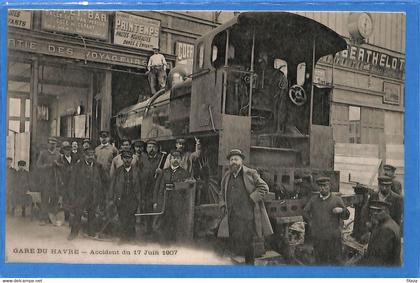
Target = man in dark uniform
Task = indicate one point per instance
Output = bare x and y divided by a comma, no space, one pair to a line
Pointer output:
386,194
86,144
85,184
48,179
389,171
384,247
241,200
10,178
174,174
22,185
75,152
138,149
325,213
125,194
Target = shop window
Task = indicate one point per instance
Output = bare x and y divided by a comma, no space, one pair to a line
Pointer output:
14,107
14,127
27,108
200,56
354,124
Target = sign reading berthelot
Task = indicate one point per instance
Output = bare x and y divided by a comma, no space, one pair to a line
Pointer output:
136,32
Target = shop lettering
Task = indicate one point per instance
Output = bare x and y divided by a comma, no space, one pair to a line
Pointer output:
185,51
106,57
60,50
22,44
128,26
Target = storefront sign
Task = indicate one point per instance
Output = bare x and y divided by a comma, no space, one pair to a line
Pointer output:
136,32
82,22
75,52
19,19
375,62
184,55
391,93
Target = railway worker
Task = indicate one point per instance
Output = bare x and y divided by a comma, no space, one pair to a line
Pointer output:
325,213
21,187
138,149
48,179
86,185
156,68
117,160
187,157
66,165
241,201
10,178
389,171
125,192
150,169
75,152
386,194
384,247
85,145
168,177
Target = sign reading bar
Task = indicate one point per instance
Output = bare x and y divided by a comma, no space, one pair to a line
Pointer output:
364,59
82,22
75,52
136,32
19,19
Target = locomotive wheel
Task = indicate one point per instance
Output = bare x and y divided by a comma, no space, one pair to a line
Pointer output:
298,95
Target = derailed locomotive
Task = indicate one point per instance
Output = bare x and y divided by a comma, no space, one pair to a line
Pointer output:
252,88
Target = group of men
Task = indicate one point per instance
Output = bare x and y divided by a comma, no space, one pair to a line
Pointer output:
102,181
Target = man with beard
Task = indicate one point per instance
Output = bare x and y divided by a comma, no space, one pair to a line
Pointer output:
386,194
245,218
125,194
187,157
169,176
118,162
48,179
389,171
384,247
149,169
325,213
86,184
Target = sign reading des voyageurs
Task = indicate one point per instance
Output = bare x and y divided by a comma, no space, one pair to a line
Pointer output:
87,23
135,31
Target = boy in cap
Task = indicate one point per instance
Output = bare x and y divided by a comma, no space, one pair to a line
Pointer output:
325,213
46,166
386,194
187,157
174,174
86,189
125,195
241,201
22,186
389,171
384,247
156,68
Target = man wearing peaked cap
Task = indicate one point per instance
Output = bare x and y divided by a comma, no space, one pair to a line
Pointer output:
384,247
187,157
325,213
389,171
244,214
117,161
386,194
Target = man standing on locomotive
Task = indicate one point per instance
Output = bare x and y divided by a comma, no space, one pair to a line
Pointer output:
156,68
325,213
245,218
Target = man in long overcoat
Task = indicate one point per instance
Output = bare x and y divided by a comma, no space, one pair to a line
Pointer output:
86,184
125,191
241,199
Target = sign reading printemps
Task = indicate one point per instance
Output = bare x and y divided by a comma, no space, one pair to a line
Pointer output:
82,22
20,19
135,31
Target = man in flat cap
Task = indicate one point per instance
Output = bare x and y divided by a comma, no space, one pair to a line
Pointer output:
187,157
86,186
168,177
118,162
325,213
386,194
245,218
384,247
46,166
156,68
389,171
22,186
125,194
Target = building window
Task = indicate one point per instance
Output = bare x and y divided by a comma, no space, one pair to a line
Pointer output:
354,124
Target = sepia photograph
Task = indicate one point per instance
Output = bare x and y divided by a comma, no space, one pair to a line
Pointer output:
205,137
